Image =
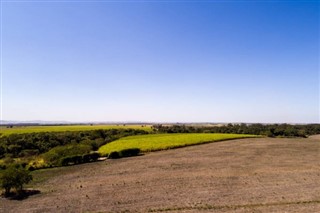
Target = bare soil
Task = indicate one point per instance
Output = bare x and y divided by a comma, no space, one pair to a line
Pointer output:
246,175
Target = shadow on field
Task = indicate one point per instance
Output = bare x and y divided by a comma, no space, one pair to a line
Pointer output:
21,196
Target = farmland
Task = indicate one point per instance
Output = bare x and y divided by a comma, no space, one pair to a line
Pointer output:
247,175
63,128
147,143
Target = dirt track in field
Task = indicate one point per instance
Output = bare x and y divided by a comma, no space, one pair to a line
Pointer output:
246,175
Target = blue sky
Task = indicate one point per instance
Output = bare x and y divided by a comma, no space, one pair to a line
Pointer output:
213,61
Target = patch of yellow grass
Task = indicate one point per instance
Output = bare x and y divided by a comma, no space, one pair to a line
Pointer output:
154,142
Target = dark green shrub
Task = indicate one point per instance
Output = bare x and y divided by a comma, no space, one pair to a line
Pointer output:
97,143
86,158
75,151
14,177
77,159
129,152
124,153
31,168
90,157
28,152
2,150
2,166
8,159
95,156
114,155
65,161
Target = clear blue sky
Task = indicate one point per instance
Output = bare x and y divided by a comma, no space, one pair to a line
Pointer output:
212,61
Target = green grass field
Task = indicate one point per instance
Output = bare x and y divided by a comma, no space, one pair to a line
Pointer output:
32,129
147,143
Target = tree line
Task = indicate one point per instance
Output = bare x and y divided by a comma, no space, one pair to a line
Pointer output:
270,130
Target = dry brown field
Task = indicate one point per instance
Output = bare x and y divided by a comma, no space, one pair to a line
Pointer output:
246,175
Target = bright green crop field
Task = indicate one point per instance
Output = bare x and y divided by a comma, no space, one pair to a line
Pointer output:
33,129
154,142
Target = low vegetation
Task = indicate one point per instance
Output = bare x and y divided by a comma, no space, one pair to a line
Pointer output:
77,159
14,177
8,130
124,153
49,149
270,130
62,155
154,142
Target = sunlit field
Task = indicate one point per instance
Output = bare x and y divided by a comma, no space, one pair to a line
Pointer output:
147,143
33,129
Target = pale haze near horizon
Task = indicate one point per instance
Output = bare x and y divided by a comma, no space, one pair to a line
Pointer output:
160,61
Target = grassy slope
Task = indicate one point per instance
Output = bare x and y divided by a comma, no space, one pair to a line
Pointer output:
166,141
32,129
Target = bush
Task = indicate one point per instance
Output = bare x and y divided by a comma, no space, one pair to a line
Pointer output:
28,152
124,153
77,159
14,177
90,157
58,154
129,152
114,155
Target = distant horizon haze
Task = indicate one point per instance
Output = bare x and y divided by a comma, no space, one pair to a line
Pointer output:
41,122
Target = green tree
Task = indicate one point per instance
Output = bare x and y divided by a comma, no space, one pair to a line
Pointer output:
14,177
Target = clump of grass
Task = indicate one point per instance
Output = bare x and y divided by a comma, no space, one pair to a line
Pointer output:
147,143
